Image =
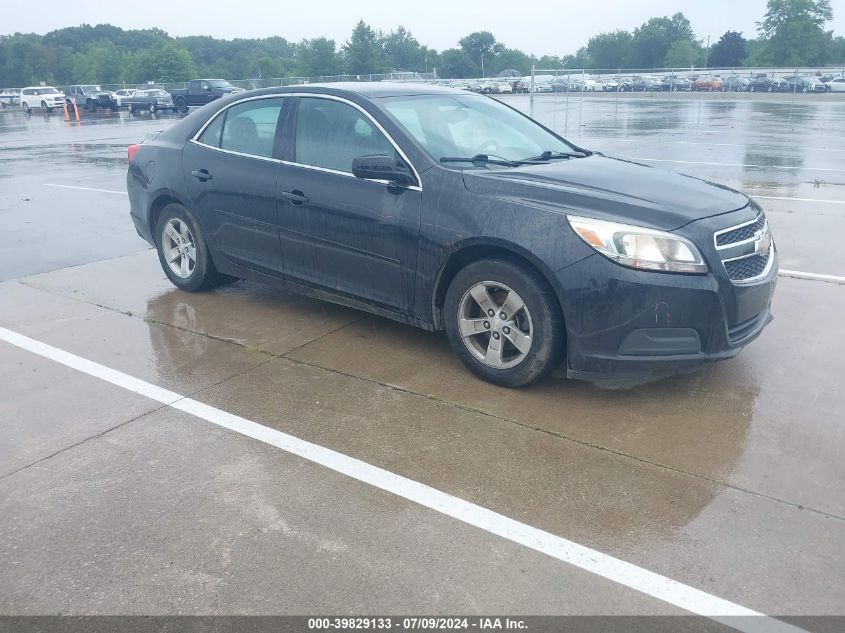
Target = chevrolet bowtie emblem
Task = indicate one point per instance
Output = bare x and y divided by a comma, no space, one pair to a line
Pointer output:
762,241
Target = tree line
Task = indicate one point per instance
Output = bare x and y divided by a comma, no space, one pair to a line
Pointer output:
791,33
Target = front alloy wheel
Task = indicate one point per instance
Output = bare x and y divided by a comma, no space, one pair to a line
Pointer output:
504,321
495,325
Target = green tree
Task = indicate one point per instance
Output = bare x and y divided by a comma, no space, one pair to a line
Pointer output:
652,40
319,57
610,50
794,31
549,62
456,64
101,63
729,51
480,45
509,59
163,64
404,52
683,54
363,52
836,51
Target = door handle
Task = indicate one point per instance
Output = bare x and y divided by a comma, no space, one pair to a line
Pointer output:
295,196
202,175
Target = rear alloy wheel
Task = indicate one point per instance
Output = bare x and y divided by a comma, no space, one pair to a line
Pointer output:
152,108
183,252
130,108
504,322
26,108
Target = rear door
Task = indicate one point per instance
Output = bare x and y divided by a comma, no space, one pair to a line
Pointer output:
231,171
341,233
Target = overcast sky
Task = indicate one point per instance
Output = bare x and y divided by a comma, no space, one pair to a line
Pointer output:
553,27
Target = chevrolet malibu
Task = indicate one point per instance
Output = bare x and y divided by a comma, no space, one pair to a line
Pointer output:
452,211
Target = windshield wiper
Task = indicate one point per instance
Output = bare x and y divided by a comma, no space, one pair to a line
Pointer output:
549,155
481,159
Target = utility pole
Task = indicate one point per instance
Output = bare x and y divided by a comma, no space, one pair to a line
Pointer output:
482,65
707,53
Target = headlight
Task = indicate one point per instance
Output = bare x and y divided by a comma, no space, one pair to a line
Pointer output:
638,247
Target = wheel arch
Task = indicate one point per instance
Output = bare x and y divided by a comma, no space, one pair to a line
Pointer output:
161,200
472,250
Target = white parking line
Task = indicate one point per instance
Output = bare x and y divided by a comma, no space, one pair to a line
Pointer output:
696,162
799,199
609,567
122,193
664,142
815,276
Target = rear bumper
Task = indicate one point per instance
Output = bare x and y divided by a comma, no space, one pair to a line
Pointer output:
625,325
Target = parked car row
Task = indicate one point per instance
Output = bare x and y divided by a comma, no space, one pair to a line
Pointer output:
92,97
701,83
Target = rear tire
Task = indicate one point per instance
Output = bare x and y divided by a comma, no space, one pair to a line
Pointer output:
183,252
511,351
152,108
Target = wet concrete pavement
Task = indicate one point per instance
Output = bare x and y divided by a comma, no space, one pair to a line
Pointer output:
729,480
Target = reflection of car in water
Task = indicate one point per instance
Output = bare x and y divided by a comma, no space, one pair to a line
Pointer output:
677,413
651,272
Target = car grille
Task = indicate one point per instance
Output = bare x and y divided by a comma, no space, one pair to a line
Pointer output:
747,267
746,250
742,233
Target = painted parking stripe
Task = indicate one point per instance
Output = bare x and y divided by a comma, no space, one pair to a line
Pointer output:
799,199
122,193
696,162
629,575
798,274
664,142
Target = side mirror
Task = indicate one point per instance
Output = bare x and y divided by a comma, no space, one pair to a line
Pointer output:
381,167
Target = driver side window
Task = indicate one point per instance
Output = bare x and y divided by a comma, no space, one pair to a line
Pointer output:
330,134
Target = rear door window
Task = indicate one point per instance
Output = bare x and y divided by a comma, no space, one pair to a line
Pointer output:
247,128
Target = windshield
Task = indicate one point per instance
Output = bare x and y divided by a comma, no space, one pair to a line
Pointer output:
465,126
49,90
219,83
157,93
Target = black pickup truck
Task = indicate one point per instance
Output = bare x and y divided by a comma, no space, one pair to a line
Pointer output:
201,91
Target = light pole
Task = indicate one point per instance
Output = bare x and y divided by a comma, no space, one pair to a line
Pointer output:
707,53
482,65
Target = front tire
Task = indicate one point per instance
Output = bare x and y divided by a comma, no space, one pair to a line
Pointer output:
504,322
183,252
152,108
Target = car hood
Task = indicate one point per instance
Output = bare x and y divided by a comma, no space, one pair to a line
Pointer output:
609,188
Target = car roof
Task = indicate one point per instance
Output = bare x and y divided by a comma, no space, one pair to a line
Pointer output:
367,89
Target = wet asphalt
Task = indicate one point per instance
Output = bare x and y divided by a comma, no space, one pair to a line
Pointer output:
731,480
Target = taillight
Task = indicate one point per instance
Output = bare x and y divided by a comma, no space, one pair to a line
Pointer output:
130,153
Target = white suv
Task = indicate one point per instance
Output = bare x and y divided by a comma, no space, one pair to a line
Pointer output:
44,97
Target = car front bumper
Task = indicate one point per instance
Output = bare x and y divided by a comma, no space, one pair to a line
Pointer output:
626,325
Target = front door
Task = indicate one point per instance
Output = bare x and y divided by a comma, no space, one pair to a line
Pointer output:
231,175
340,233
